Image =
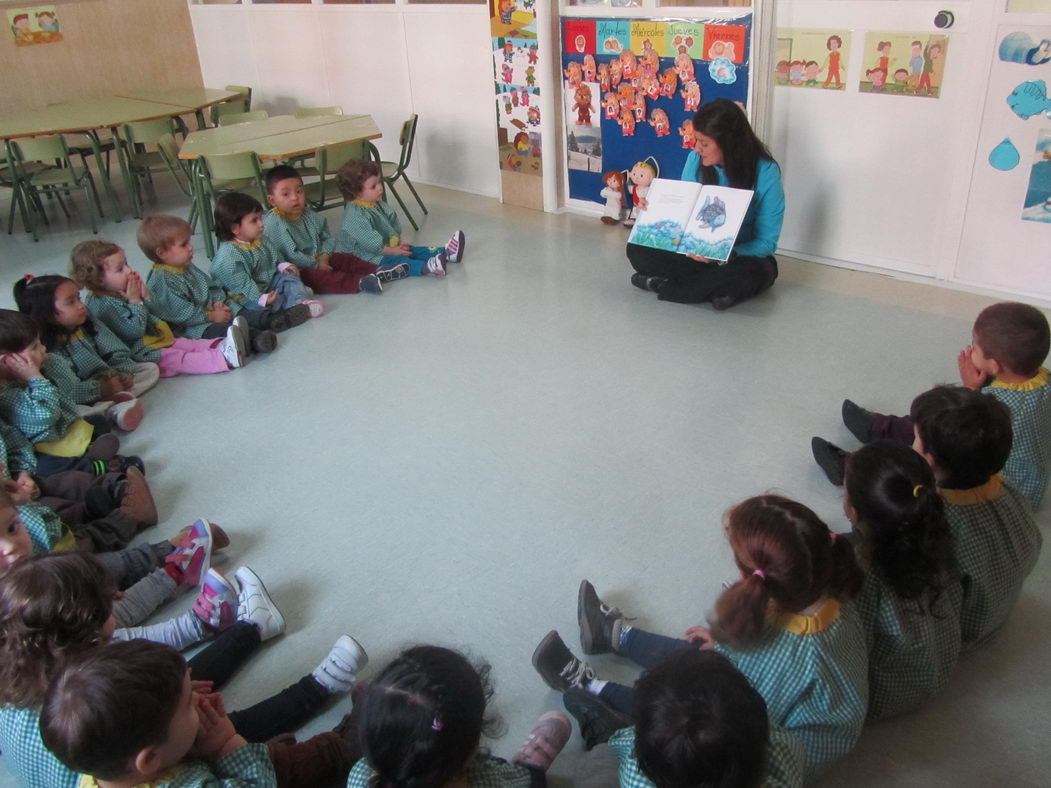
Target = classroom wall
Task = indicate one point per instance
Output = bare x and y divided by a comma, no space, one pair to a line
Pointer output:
387,61
107,46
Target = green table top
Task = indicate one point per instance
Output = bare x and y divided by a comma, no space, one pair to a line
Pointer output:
280,137
82,115
190,99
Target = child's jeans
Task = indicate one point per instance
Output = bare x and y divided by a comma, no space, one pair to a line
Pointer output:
645,649
321,761
345,277
416,259
290,290
192,357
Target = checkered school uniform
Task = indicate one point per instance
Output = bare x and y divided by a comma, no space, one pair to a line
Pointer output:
25,754
39,410
182,296
812,671
90,354
913,647
130,323
1030,459
244,270
997,544
300,240
246,766
16,452
784,766
366,228
485,772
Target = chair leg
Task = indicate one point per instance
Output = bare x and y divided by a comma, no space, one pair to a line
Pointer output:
92,194
403,208
62,203
412,189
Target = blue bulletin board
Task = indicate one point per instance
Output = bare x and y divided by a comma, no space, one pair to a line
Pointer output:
674,63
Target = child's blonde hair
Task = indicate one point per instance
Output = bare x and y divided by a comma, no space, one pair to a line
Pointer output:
88,262
160,231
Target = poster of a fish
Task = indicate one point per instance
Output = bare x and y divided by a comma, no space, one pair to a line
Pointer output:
690,218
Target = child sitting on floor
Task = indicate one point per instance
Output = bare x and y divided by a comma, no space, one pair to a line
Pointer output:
87,362
117,298
965,436
300,235
184,296
787,624
371,229
43,413
248,269
422,721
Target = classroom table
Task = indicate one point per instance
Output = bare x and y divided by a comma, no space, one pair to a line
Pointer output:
194,100
275,139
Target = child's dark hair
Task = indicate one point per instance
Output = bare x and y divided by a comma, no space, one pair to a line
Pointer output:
423,717
352,176
787,556
699,722
230,209
901,518
1014,334
87,263
51,607
17,331
281,172
160,231
967,433
35,295
110,703
726,123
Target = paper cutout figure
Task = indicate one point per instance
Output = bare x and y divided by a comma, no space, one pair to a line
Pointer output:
574,74
1019,47
684,65
615,72
669,82
603,77
691,92
590,70
640,108
659,121
723,71
611,104
686,131
629,64
627,123
1005,155
1029,99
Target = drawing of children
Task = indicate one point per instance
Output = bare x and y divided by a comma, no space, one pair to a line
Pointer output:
931,53
884,56
781,72
505,9
20,27
525,97
915,62
877,76
530,75
507,73
795,72
810,71
509,52
507,104
901,80
514,96
833,46
532,55
534,116
47,22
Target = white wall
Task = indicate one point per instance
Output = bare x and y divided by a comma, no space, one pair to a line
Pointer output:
387,61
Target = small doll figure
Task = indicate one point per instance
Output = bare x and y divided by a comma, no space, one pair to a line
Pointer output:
614,72
629,64
533,117
640,108
514,96
684,65
508,74
532,55
669,82
614,194
506,8
509,52
641,176
686,130
507,104
627,123
650,86
531,75
603,77
525,97
611,104
691,93
660,123
574,74
589,68
583,105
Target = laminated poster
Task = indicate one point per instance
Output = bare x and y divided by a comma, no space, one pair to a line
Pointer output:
904,64
812,58
1038,194
37,25
516,61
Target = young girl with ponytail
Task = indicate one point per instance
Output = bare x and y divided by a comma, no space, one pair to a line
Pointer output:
787,624
911,599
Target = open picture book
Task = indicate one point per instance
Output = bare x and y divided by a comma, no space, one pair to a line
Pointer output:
691,218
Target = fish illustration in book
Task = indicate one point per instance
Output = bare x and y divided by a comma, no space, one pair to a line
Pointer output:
712,213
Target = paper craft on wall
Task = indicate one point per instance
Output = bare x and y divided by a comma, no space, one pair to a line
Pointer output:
1019,47
37,25
1030,99
803,57
1038,195
1029,6
1004,156
904,64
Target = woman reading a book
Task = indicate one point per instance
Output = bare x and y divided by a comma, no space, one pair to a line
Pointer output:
726,152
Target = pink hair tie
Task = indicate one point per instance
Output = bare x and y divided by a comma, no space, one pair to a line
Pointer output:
759,573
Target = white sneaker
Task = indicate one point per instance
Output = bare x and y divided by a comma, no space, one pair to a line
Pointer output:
454,249
338,671
436,265
126,415
317,308
242,323
255,605
234,347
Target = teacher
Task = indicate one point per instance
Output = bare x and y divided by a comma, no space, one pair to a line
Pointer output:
725,152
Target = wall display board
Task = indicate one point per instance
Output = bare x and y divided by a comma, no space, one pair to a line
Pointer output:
632,86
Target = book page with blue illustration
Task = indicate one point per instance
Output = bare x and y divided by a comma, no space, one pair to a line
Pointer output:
691,218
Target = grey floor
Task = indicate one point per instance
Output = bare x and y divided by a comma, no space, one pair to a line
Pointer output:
443,463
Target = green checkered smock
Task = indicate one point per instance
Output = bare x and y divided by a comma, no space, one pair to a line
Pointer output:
182,296
244,271
39,410
89,357
812,671
130,323
246,767
784,766
997,544
367,227
16,452
1030,459
485,772
913,649
300,240
44,527
25,754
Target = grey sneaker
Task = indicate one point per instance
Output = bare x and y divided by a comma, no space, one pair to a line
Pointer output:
600,624
597,719
394,273
557,666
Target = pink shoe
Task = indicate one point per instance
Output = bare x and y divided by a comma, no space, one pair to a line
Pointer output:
216,605
189,562
126,415
317,308
545,741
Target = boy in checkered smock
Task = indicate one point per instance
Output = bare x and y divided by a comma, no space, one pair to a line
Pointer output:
911,600
966,437
797,639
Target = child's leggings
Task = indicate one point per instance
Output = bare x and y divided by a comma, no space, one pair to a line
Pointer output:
193,357
290,290
645,649
142,598
416,259
345,277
